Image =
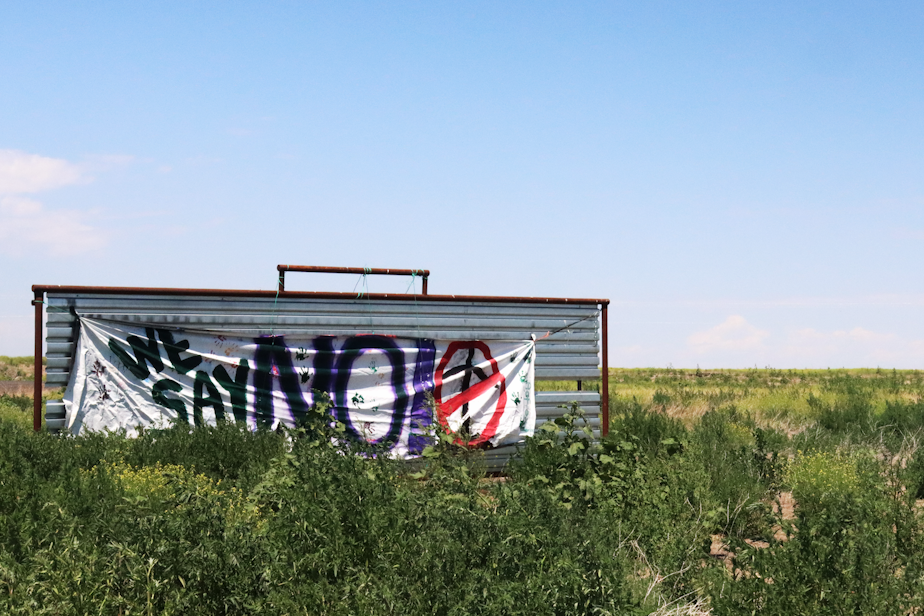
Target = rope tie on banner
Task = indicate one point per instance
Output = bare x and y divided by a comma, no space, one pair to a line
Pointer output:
551,333
50,308
363,278
416,311
413,276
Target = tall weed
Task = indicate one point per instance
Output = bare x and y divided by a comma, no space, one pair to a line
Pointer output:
855,548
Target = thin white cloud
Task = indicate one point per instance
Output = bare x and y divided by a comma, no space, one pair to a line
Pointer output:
864,335
25,225
16,335
734,334
857,334
197,161
21,172
861,347
628,350
106,162
241,132
909,234
888,299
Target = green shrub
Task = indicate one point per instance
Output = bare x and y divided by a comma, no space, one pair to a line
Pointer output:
173,522
224,520
653,431
902,417
743,465
913,478
855,548
17,409
658,501
852,413
226,452
818,479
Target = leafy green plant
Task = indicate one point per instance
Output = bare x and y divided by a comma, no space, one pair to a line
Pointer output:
902,417
225,520
659,500
653,431
819,479
855,547
914,473
563,461
743,469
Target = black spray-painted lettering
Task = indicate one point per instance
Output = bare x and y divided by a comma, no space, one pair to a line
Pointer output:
175,404
273,360
183,366
213,399
145,353
237,388
351,350
331,369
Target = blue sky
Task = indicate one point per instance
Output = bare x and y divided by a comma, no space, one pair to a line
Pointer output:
744,181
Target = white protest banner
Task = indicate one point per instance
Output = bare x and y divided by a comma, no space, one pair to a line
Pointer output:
127,376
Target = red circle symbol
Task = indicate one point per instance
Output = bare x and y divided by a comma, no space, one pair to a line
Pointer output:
445,409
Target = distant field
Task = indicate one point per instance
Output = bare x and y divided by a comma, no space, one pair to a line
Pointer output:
790,400
16,390
17,368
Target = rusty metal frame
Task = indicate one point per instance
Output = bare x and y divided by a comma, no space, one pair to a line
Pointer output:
373,271
605,373
37,363
40,291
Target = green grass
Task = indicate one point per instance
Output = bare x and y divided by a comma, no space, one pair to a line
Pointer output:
774,398
227,521
224,520
884,408
17,368
17,410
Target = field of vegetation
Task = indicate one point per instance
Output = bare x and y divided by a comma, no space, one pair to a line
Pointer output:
16,374
722,492
16,368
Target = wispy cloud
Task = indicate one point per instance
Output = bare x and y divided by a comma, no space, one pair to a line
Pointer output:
26,224
632,349
886,299
734,334
859,344
910,234
106,162
241,132
200,160
21,172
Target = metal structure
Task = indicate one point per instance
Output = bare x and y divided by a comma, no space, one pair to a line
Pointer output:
363,271
570,343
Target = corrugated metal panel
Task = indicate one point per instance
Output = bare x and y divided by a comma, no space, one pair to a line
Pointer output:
54,415
548,405
568,346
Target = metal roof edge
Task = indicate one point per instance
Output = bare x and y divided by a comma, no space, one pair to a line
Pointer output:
37,289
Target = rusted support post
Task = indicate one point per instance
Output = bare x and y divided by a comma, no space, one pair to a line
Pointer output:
282,280
424,286
605,381
37,366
